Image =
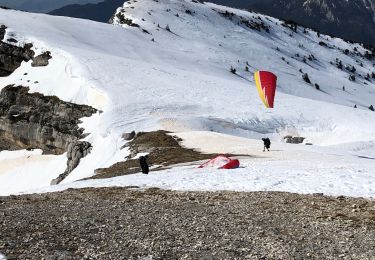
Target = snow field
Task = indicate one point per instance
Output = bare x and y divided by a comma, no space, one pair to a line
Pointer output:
291,168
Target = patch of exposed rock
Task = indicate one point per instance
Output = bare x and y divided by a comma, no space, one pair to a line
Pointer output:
37,121
2,32
12,56
118,223
122,19
31,120
293,139
41,60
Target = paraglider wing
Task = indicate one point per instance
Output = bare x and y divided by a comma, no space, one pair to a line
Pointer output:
221,162
266,85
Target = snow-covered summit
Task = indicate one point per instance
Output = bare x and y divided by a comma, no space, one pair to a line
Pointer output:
168,67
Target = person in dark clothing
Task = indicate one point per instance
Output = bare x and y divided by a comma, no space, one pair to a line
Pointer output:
267,144
144,164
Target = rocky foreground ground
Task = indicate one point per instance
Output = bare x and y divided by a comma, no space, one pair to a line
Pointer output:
122,223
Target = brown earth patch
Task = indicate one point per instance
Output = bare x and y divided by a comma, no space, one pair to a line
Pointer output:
163,148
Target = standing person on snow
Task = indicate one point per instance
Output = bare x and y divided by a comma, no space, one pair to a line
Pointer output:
267,144
144,164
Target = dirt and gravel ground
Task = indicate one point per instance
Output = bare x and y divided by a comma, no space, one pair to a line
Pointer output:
122,223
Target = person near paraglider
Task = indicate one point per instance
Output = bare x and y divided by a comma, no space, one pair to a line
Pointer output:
144,165
266,143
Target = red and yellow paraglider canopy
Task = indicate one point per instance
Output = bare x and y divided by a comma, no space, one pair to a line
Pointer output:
266,85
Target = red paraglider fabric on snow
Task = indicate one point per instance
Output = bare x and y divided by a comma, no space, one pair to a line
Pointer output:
221,162
233,164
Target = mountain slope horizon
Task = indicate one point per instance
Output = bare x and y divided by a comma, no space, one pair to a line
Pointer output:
100,12
41,6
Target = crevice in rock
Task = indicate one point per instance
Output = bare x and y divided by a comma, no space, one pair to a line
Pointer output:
34,121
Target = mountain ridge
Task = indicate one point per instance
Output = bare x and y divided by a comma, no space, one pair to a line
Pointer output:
340,18
100,12
351,20
41,6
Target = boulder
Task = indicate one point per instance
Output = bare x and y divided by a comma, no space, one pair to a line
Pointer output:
293,139
128,136
41,60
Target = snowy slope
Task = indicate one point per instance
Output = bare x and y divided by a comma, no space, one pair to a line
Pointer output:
292,168
181,80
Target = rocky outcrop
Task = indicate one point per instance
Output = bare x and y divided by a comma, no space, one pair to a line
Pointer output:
41,60
2,32
122,19
29,121
76,151
12,56
293,139
128,136
37,121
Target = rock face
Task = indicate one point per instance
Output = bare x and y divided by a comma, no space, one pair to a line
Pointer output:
30,121
11,57
45,122
37,121
2,32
